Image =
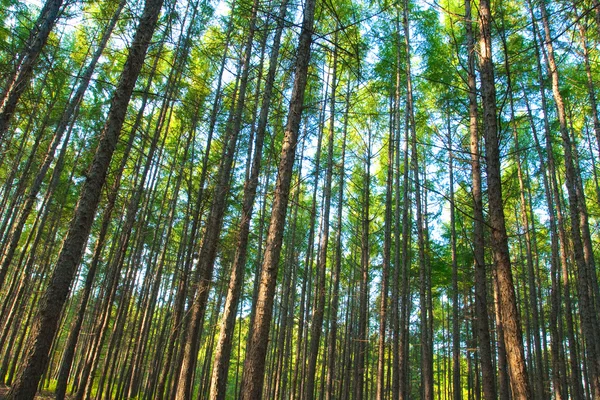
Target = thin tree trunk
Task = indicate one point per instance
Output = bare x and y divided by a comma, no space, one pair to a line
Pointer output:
385,268
481,296
456,386
425,292
508,307
361,358
223,349
254,365
576,385
19,78
538,367
319,311
46,323
310,254
558,378
191,257
208,250
578,223
288,295
119,258
154,286
406,298
172,88
331,348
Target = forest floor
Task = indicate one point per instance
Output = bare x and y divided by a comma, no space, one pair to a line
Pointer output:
39,396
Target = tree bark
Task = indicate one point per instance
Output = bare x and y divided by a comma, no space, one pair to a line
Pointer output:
508,304
589,320
334,308
319,310
538,370
46,322
254,365
223,349
19,78
481,296
208,250
385,268
360,359
456,386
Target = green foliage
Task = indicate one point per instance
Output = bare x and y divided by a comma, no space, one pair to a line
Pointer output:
176,96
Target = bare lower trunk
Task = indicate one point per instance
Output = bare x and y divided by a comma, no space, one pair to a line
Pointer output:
481,303
208,250
360,367
456,386
331,350
538,367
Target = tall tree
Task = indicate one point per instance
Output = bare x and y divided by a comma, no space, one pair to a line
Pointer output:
46,322
319,311
585,271
456,385
18,80
254,364
223,349
507,298
361,356
337,269
481,307
208,249
385,267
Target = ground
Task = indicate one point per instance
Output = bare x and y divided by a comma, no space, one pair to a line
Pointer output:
39,396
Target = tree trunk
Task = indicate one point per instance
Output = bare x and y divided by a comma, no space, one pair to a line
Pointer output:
385,268
19,78
456,386
481,296
508,306
360,364
46,322
223,349
254,365
319,310
538,370
555,205
331,349
285,334
405,294
191,257
589,320
208,250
